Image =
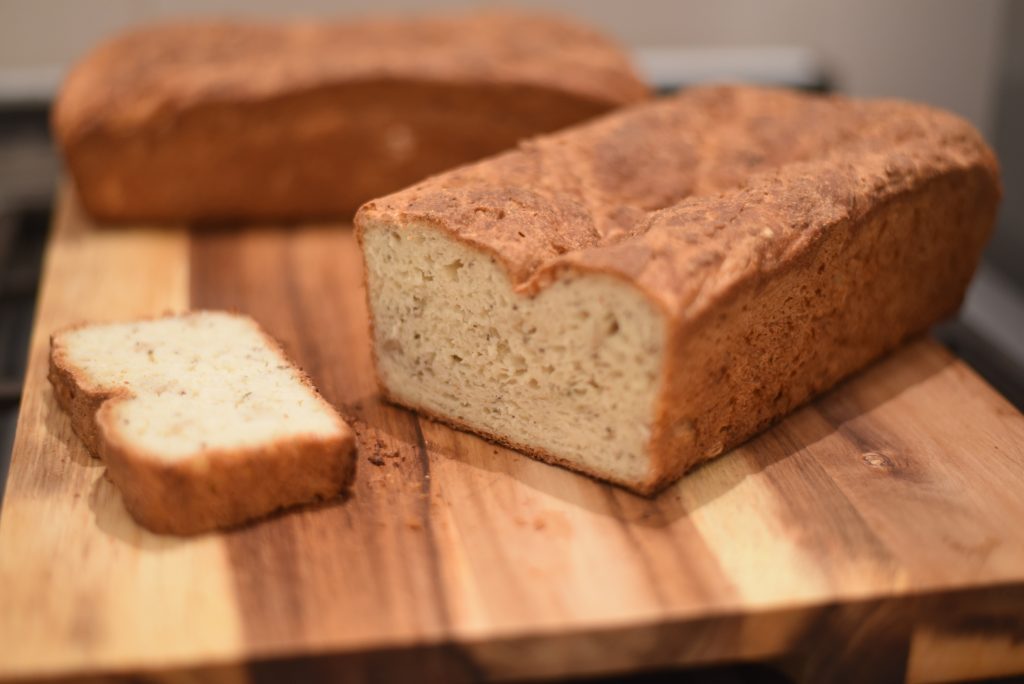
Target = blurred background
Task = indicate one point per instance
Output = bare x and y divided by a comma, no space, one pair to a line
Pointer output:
962,56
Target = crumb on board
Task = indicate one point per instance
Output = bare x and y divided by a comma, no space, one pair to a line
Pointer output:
379,452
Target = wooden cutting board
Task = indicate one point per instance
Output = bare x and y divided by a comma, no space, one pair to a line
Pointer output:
877,534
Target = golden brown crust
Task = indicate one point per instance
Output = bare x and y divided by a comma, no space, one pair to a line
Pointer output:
663,192
863,221
223,488
222,120
768,345
215,488
78,398
169,68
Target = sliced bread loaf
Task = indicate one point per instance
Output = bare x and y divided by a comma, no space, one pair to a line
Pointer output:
638,294
200,418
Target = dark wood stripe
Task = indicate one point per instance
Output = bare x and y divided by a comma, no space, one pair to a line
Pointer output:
866,641
679,547
434,568
653,580
263,556
366,552
806,492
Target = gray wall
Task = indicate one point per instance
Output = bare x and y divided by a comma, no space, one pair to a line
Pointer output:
1007,249
939,51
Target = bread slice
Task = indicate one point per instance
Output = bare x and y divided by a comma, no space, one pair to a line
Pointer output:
635,295
221,120
200,418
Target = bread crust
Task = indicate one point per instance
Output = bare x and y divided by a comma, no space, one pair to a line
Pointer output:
211,121
213,488
787,239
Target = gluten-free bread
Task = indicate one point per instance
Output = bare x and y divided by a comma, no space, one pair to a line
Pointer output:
216,120
200,418
636,295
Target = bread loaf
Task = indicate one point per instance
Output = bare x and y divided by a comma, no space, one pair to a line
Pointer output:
638,294
219,120
200,419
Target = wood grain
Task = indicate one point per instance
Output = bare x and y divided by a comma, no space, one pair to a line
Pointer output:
874,534
79,581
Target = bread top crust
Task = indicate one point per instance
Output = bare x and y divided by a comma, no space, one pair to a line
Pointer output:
168,68
690,195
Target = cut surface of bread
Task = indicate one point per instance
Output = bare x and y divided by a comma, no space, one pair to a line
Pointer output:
200,418
222,120
571,372
635,295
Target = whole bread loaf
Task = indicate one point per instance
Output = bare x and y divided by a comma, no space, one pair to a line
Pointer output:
200,418
638,294
219,120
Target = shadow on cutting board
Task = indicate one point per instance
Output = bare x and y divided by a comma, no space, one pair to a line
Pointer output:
58,426
886,378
